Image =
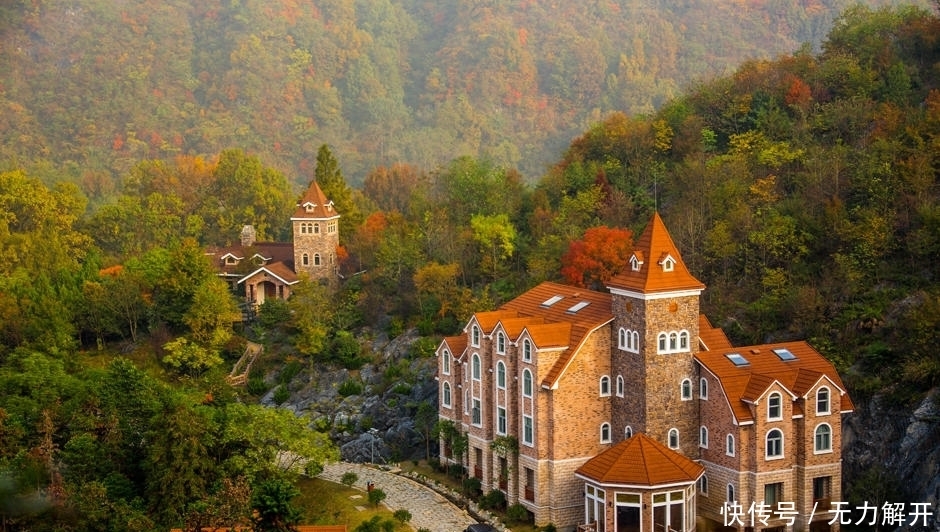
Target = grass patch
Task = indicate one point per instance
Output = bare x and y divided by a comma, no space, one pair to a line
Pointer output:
328,503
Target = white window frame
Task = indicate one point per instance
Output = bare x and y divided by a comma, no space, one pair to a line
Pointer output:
605,433
703,437
476,367
501,421
476,412
779,406
446,395
668,342
526,350
445,362
816,448
620,386
729,444
475,336
604,386
628,432
828,399
672,438
528,430
501,375
526,383
703,388
780,450
685,389
500,343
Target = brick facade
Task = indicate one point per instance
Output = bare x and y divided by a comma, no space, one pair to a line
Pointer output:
546,366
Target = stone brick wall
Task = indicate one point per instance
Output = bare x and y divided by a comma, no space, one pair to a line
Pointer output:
324,244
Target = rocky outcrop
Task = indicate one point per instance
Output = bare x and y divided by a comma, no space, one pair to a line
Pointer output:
892,454
377,423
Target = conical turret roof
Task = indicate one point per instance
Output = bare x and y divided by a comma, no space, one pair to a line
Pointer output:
656,265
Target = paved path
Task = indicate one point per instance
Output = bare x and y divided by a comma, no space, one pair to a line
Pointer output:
428,508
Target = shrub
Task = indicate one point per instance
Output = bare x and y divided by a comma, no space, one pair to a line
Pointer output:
345,349
473,487
396,326
402,515
281,394
273,312
402,388
494,500
350,387
549,528
517,513
455,470
423,347
349,478
291,369
376,496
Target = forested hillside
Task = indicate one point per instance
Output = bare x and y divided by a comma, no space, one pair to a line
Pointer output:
89,87
803,191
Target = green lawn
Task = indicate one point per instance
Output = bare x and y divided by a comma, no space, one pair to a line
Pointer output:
328,503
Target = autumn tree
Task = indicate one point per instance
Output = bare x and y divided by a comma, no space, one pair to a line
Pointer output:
599,255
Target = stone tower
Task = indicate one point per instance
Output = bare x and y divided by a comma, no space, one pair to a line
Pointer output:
655,304
316,235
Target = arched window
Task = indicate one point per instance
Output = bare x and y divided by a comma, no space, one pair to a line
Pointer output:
500,375
822,401
475,336
527,350
316,259
731,494
622,339
823,438
774,407
774,441
729,445
673,342
476,371
702,388
703,437
661,342
686,389
684,341
605,432
316,229
500,343
445,394
673,438
703,485
445,362
619,386
628,431
635,342
305,259
605,386
526,383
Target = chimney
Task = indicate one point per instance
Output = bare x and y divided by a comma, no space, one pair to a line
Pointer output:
248,236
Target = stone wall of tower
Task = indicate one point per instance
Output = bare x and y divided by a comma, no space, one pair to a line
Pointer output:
652,401
313,243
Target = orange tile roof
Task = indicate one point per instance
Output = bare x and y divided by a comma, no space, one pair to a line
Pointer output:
457,345
640,461
573,312
656,242
322,208
711,338
747,383
278,269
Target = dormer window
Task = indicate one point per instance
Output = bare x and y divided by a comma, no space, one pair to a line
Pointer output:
308,207
475,336
635,263
231,260
668,264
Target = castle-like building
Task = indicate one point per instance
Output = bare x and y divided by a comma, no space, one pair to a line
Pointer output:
627,411
263,270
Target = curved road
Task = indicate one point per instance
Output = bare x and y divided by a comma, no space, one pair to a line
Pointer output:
428,508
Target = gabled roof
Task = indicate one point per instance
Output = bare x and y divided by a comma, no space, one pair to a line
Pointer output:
272,251
566,315
640,461
456,344
747,383
278,270
314,205
657,246
711,338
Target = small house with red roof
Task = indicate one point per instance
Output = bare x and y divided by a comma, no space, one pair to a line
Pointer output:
263,270
630,411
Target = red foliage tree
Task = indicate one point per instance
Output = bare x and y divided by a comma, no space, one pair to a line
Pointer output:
600,254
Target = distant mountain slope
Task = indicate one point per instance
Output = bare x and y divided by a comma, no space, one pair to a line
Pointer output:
89,87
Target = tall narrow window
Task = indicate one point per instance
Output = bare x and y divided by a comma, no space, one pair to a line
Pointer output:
445,394
475,336
628,432
476,370
822,401
605,386
305,259
683,341
702,388
501,420
774,407
731,493
526,383
500,375
527,431
605,432
703,437
526,350
316,259
686,389
729,445
673,342
661,341
445,362
673,438
316,229
774,444
622,339
501,343
619,385
477,412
